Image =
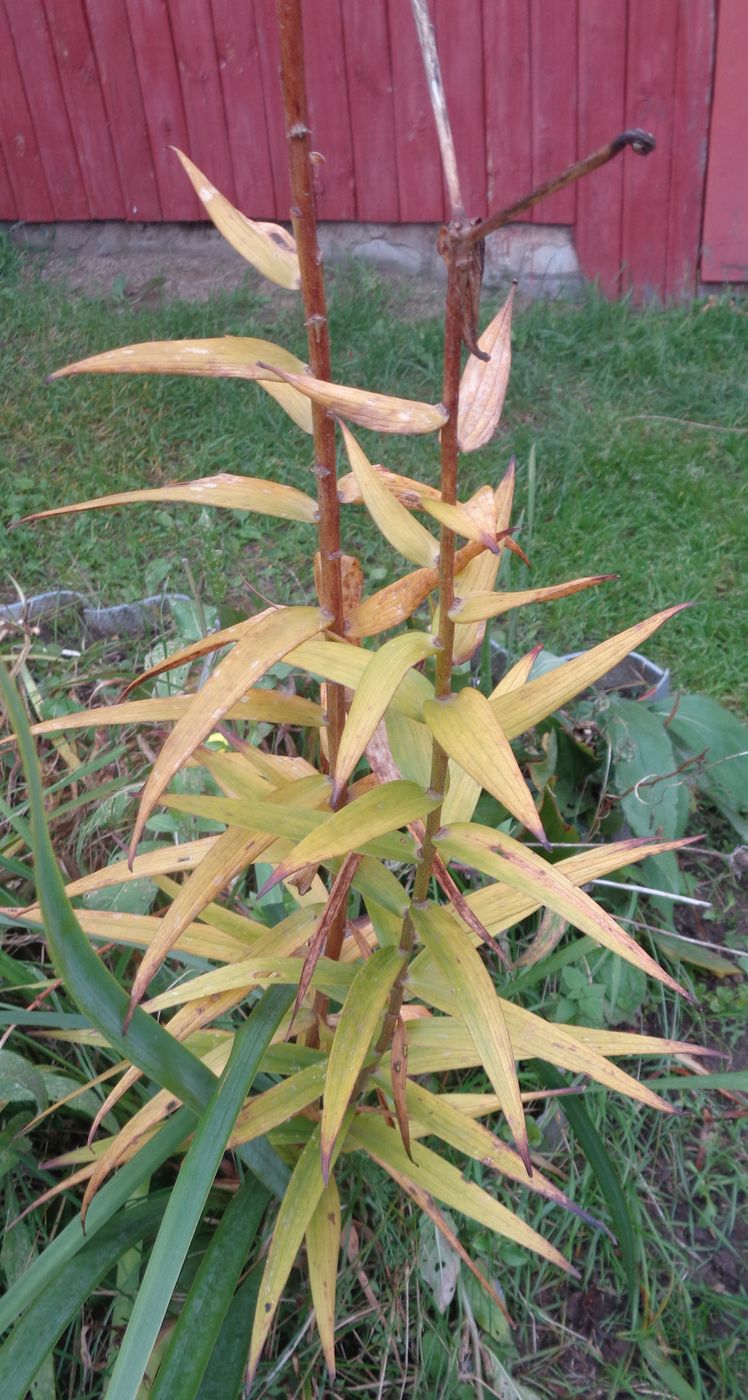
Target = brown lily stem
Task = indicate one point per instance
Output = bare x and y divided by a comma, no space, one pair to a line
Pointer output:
304,221
443,679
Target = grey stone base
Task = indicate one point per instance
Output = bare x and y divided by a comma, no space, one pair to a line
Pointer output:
541,257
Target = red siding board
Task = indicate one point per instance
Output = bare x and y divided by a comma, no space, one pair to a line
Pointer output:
7,196
267,37
553,58
202,98
650,85
36,62
120,90
370,101
162,99
79,76
725,255
602,97
419,182
693,74
28,196
239,67
506,56
327,84
459,36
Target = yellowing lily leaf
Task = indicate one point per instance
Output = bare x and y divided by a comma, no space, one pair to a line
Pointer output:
479,575
500,856
465,727
275,1106
398,601
270,706
346,664
397,525
379,682
361,1012
262,644
303,1194
475,997
484,383
476,519
475,607
438,1178
250,493
322,1251
518,709
380,412
268,247
408,491
517,674
382,810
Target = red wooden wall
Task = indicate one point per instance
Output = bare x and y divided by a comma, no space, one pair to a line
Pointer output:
93,92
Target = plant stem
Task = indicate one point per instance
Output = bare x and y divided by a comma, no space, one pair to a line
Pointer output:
304,221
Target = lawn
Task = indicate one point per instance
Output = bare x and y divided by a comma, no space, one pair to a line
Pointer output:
631,437
638,420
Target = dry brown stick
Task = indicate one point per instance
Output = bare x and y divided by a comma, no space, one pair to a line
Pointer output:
304,220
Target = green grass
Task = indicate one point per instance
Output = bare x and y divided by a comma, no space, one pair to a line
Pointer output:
664,504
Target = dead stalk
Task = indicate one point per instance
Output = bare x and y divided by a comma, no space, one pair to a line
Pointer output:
304,220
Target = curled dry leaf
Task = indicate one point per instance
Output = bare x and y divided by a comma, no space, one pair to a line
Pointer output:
476,607
268,247
484,383
408,491
381,412
476,519
398,601
250,493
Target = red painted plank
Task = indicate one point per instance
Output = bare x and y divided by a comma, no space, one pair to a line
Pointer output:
7,197
327,85
239,68
553,58
267,38
79,76
506,45
650,85
120,90
36,61
459,36
24,170
369,70
693,71
602,97
162,100
197,64
725,253
419,183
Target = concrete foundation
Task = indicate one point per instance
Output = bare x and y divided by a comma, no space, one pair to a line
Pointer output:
541,257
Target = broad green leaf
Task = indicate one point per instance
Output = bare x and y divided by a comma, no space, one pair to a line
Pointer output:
266,640
438,1178
655,797
484,382
667,1374
268,247
382,809
322,1251
380,412
464,725
190,1192
697,725
358,1020
379,682
518,709
475,997
68,1290
507,860
398,526
305,1191
21,1082
207,1303
475,607
250,493
225,1370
